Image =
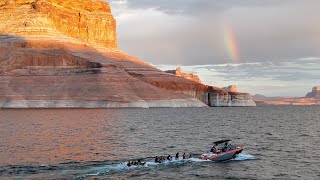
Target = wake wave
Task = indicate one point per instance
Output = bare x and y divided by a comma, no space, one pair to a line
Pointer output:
113,168
83,171
243,156
180,161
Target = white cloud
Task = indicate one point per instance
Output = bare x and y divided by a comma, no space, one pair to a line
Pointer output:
267,78
309,59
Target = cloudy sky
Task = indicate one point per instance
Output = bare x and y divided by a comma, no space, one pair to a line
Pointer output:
269,47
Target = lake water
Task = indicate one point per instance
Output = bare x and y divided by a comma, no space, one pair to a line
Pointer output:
281,142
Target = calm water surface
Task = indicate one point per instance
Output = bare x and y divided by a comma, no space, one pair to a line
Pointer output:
281,142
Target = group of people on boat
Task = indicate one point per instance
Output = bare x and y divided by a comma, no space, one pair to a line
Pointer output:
135,163
225,148
169,158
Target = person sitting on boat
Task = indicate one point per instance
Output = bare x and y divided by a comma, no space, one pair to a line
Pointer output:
190,155
213,149
177,156
225,147
169,158
226,144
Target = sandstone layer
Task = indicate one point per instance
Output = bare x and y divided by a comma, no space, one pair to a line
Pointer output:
63,54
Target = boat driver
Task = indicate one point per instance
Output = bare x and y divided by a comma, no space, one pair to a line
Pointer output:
227,147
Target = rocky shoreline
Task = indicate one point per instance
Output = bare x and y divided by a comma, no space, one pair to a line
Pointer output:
48,104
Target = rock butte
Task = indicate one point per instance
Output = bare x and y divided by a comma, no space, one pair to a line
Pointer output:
63,54
231,88
315,93
179,73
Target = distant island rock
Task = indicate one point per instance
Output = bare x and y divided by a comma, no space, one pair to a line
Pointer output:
315,93
64,54
312,98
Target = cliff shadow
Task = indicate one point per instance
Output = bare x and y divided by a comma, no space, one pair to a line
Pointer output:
59,71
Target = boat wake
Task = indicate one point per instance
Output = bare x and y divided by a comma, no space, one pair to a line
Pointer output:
75,170
173,162
243,157
114,168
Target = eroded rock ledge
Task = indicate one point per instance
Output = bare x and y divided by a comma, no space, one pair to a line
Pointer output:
189,76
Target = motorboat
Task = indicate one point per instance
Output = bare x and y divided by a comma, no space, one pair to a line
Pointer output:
219,152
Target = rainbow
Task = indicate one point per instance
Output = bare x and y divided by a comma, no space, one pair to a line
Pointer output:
231,44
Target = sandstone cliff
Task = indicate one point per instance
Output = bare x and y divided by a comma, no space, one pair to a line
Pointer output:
63,53
88,21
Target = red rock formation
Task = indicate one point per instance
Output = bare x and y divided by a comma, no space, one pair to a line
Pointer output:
86,20
89,21
61,53
231,88
179,73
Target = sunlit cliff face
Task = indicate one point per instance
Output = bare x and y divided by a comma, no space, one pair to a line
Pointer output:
88,21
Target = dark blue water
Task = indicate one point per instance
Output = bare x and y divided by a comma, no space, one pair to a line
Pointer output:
281,142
